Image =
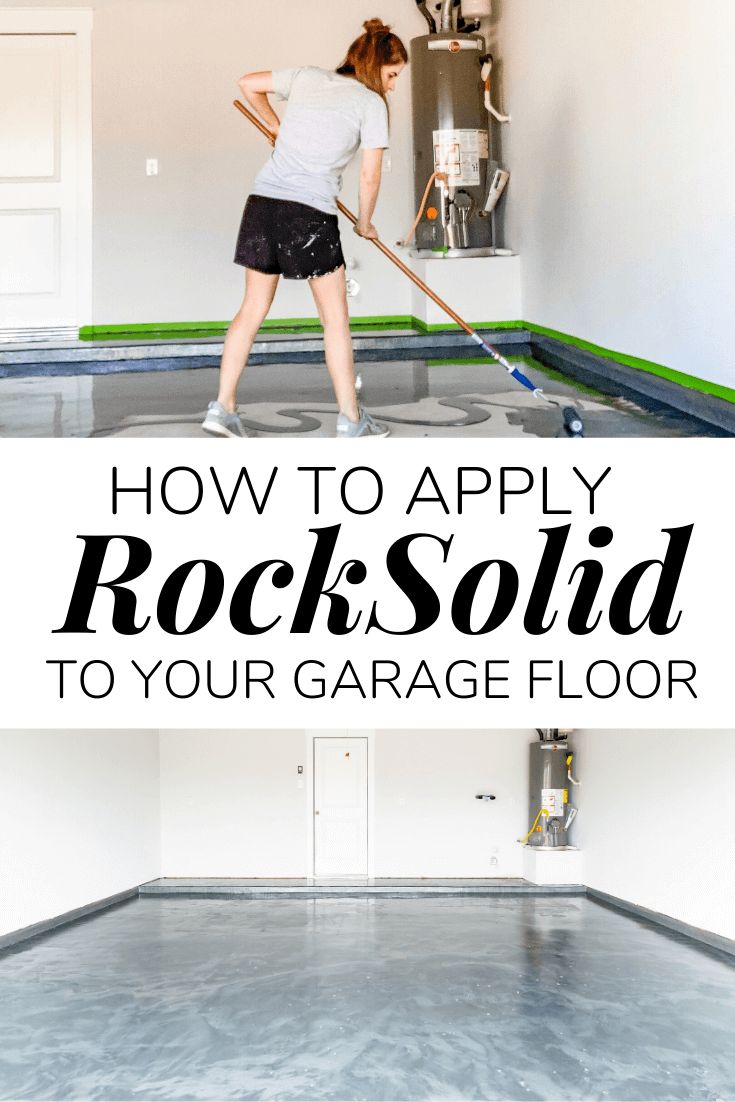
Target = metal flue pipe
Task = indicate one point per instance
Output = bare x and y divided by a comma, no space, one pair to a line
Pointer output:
447,16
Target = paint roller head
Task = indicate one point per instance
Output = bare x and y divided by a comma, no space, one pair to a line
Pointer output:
573,423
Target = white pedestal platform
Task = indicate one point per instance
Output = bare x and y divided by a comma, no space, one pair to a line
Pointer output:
482,289
564,865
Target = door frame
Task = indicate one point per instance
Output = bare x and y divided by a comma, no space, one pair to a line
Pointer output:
310,736
77,22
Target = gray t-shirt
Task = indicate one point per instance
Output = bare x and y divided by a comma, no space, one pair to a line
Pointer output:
328,118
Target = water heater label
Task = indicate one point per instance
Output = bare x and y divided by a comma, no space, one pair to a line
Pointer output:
552,802
458,153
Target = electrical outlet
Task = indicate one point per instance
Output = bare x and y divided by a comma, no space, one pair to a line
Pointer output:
493,860
387,162
151,166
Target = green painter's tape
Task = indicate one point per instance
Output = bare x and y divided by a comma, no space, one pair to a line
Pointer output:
275,325
452,327
189,329
213,328
691,382
285,325
148,329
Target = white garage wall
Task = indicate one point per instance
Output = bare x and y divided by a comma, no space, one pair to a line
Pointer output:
427,820
622,151
231,805
165,74
655,821
78,819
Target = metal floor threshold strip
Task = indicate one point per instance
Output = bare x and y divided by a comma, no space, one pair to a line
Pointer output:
221,887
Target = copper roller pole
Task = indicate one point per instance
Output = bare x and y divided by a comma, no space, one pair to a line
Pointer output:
573,425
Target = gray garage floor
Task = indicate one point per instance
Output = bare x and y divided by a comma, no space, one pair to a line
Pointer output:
505,998
417,400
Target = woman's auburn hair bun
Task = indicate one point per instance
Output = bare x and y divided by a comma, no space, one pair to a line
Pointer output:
375,26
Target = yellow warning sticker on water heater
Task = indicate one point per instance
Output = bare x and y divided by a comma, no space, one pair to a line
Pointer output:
552,802
458,153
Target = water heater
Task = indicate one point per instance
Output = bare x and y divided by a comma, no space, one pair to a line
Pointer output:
551,783
451,136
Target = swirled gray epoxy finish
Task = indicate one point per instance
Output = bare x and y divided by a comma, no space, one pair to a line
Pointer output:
416,398
502,998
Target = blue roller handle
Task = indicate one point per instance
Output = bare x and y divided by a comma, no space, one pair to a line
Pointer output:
512,371
521,378
573,423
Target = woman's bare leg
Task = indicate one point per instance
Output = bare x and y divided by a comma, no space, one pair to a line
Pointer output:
259,291
330,296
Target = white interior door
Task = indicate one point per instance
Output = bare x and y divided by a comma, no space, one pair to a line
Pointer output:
42,196
340,807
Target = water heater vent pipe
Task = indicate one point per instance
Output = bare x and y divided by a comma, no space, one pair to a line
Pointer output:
447,22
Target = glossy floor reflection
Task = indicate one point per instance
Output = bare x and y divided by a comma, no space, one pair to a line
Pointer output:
417,400
505,998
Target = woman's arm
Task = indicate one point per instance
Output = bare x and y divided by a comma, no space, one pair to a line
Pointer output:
370,173
255,88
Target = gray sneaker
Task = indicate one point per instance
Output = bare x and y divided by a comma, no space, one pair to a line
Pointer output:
366,426
219,422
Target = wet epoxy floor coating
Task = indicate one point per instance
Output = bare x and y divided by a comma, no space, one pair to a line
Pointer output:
415,398
502,998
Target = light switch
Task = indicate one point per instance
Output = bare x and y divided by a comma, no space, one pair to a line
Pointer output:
151,166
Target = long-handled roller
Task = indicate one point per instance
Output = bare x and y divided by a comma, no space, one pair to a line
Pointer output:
573,425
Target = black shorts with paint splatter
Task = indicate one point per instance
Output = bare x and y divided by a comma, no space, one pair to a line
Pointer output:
294,240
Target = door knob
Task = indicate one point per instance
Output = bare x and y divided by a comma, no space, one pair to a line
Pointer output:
316,812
